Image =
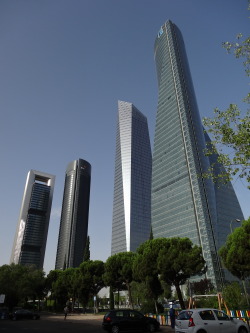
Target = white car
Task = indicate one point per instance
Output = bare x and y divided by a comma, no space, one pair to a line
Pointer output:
208,321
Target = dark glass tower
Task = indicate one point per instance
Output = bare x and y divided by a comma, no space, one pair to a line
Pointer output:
32,229
183,203
74,217
132,188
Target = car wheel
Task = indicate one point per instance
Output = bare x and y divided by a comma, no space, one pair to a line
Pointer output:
115,329
151,328
34,317
242,330
201,331
14,318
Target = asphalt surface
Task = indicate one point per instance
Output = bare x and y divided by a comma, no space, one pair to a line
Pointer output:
53,323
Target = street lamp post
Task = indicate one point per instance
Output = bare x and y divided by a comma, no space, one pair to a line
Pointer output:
235,220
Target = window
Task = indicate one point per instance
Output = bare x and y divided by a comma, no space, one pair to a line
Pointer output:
207,315
221,315
185,315
119,314
134,314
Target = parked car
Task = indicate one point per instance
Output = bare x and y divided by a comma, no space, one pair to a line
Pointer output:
24,314
128,320
208,321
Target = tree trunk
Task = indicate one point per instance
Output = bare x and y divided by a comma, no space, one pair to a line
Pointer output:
245,291
130,296
111,298
178,290
156,309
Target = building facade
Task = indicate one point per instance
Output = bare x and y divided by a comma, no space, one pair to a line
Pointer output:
131,223
74,216
184,204
32,228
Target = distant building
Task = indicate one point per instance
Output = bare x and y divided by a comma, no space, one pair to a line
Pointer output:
184,204
132,187
74,217
32,229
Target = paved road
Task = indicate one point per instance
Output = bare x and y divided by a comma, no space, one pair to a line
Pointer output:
56,323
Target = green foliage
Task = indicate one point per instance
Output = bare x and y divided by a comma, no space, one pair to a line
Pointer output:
167,292
151,236
178,261
207,302
202,287
232,294
62,287
92,275
119,272
50,278
90,280
235,253
145,268
149,307
231,130
174,260
21,283
240,49
145,263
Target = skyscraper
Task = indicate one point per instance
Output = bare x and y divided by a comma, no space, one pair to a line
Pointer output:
74,217
32,228
132,187
184,204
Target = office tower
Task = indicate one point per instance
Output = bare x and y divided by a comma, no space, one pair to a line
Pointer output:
131,223
32,228
74,217
184,204
228,208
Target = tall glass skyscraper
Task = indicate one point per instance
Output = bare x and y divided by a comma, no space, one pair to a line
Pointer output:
132,188
74,217
32,229
183,203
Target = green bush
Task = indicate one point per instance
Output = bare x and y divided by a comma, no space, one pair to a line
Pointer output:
149,307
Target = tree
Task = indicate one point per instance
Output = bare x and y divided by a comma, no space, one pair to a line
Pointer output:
62,288
151,236
232,295
202,287
235,253
178,261
50,279
20,283
86,254
34,284
92,277
119,272
231,130
145,268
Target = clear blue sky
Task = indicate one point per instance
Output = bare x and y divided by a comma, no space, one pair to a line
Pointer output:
63,67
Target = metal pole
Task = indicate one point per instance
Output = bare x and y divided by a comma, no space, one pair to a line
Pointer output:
235,220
